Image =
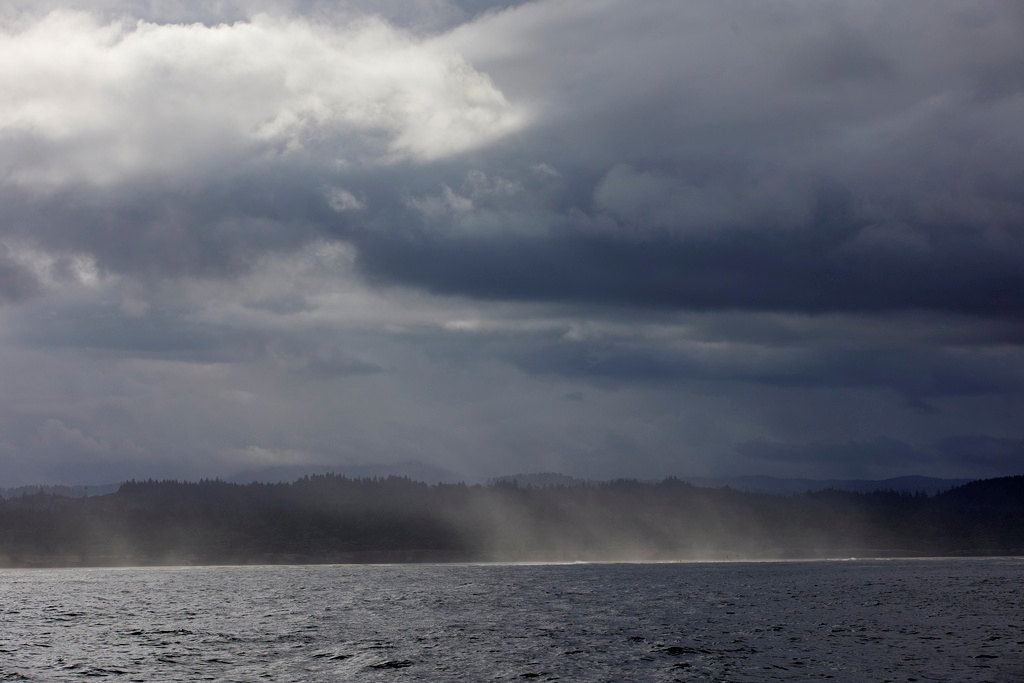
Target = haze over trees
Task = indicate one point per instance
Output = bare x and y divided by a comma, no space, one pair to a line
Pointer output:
327,518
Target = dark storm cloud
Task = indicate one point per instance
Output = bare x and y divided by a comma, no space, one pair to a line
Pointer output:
915,373
834,158
909,372
746,270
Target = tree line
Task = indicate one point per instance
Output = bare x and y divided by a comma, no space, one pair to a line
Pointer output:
329,518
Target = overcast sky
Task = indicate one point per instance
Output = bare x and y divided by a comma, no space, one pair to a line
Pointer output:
598,237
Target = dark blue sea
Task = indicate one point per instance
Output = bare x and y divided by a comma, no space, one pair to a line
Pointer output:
865,620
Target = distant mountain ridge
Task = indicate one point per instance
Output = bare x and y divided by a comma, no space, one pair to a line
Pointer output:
762,484
765,484
431,474
418,471
58,490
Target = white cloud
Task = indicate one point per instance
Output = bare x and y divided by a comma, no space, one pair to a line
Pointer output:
80,100
341,200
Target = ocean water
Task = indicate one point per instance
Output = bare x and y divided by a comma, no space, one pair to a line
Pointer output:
899,620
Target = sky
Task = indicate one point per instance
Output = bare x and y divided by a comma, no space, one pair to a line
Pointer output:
596,237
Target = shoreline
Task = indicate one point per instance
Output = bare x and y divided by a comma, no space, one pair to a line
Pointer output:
514,563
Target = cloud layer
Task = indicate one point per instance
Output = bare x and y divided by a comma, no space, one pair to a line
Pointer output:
610,239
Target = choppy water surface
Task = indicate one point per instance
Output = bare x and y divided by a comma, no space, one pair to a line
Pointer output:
956,620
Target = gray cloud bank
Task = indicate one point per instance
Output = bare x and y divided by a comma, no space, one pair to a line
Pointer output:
377,231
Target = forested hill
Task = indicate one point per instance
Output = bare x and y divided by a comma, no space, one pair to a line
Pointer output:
335,519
